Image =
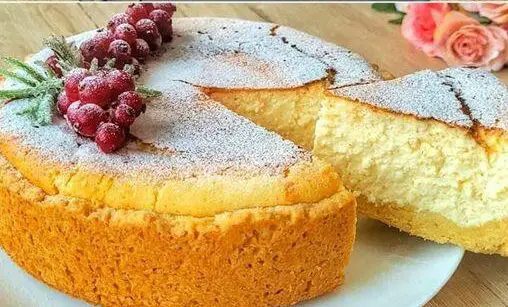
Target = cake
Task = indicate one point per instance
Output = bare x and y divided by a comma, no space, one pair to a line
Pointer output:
202,206
424,153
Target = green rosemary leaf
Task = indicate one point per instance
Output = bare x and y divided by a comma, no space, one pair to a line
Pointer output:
66,54
16,76
110,64
16,93
129,69
94,66
384,7
30,110
29,70
398,20
148,93
44,113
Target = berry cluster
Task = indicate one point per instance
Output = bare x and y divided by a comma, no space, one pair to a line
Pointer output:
101,106
130,36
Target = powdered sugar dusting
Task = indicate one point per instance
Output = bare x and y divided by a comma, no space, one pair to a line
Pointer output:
485,95
188,135
424,94
227,53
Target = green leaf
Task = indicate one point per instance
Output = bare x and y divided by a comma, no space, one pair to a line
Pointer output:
67,55
40,111
397,21
16,94
24,67
481,19
148,93
384,7
16,76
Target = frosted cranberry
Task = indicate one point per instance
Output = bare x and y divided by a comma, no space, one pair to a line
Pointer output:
96,47
148,7
71,83
71,111
127,33
52,62
147,30
124,115
119,81
95,90
168,7
141,50
133,100
136,12
62,103
110,137
87,119
121,51
117,20
163,21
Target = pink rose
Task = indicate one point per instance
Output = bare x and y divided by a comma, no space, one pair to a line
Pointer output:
420,22
496,12
462,41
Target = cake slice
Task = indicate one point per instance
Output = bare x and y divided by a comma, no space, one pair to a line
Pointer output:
427,153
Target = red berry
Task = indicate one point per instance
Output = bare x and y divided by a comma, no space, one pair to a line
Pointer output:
110,137
71,83
164,23
141,50
52,62
121,51
147,30
95,90
117,20
88,118
127,33
62,103
119,81
168,7
96,47
71,111
136,12
148,7
124,115
133,100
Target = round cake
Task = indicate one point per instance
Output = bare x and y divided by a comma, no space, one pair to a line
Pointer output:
202,206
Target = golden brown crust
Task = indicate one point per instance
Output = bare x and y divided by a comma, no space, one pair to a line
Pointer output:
252,257
489,238
303,182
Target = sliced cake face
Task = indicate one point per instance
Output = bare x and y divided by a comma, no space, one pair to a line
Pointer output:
410,142
237,54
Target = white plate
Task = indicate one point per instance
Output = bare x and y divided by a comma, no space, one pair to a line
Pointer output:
387,268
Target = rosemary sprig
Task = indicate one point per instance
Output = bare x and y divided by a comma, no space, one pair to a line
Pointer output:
68,55
148,93
43,90
15,76
34,74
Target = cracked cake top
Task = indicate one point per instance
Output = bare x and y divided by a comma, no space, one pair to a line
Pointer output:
461,97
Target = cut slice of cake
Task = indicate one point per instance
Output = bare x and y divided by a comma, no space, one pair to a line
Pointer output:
427,153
